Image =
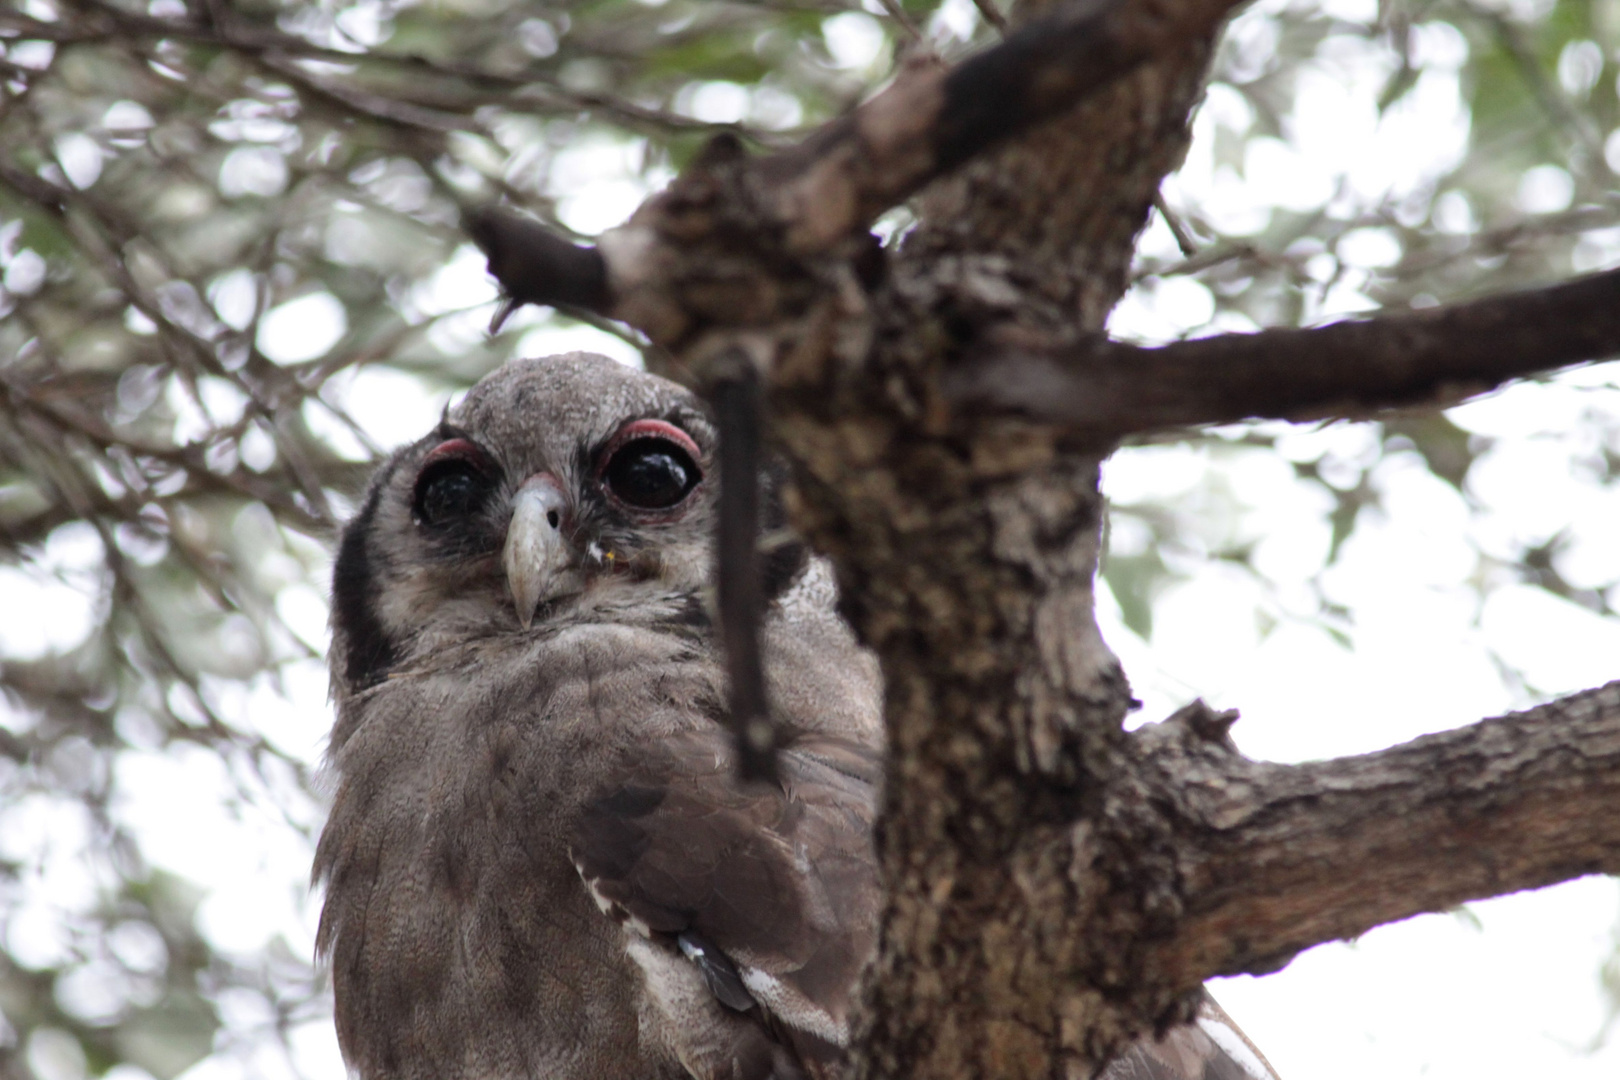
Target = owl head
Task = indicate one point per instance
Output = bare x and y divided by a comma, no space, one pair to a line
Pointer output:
561,489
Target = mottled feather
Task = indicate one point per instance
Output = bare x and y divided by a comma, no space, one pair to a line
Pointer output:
778,880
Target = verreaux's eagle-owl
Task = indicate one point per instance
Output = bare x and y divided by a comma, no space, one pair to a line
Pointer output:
539,861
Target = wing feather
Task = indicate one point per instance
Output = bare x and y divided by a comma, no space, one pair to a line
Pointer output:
771,892
769,889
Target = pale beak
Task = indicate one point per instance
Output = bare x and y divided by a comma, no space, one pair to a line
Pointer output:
536,557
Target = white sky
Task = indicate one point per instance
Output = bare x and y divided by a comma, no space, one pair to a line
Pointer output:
1509,991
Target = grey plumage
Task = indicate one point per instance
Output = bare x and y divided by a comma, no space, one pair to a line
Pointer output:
539,862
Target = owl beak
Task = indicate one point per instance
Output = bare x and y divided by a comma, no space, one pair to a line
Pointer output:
536,555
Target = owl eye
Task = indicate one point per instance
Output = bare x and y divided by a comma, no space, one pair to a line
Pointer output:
653,467
453,484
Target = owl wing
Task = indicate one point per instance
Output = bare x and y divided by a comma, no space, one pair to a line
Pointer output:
768,890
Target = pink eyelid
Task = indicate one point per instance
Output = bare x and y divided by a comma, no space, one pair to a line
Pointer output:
462,449
651,429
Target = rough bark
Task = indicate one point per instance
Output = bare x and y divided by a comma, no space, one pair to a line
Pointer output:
1056,885
1271,859
1006,951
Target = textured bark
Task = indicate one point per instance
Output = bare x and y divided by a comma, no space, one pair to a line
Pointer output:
1272,859
934,119
1009,942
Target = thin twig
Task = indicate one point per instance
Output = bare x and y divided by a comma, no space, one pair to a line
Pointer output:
992,15
1510,35
898,14
1184,239
1212,256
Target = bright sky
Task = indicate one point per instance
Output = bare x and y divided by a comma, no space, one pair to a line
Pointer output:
1507,990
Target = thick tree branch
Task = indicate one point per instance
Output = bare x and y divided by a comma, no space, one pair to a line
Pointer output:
933,120
811,199
1107,389
1280,858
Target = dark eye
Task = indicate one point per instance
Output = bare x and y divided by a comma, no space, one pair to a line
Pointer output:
651,473
452,485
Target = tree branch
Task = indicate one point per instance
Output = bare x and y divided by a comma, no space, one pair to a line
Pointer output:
1281,858
536,266
933,120
813,197
1106,389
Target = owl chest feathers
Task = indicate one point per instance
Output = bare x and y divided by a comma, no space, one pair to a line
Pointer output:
459,932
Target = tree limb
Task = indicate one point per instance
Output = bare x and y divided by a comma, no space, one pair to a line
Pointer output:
1281,858
810,199
536,266
933,120
1105,389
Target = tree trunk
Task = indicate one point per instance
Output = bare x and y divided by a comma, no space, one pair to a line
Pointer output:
968,550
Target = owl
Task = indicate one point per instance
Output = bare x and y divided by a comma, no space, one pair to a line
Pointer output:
539,860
